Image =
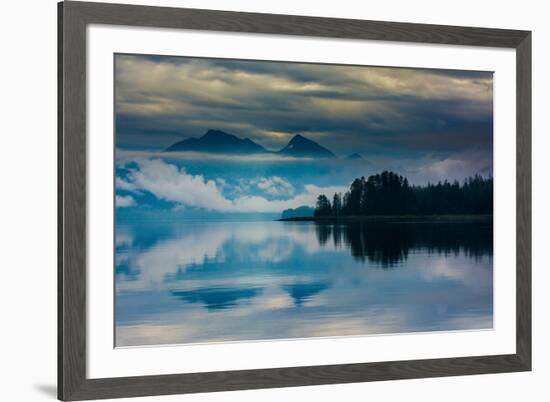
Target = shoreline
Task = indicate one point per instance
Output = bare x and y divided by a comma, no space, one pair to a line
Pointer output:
392,218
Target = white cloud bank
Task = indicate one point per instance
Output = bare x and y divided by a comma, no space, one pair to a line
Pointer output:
170,183
276,186
123,201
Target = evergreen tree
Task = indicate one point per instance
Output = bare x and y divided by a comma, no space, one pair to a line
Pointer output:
337,204
388,193
323,207
355,197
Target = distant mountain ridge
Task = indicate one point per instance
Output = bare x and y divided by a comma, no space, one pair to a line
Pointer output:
301,212
217,141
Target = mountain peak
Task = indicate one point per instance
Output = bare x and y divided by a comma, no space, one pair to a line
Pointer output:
213,134
297,138
300,146
355,156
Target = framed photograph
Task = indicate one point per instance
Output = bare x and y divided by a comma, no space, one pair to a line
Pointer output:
257,201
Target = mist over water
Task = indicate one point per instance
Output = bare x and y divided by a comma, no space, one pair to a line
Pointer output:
187,282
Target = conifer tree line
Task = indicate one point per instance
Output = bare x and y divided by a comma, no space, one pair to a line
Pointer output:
388,193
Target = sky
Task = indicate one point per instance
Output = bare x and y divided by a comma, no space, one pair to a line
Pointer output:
427,125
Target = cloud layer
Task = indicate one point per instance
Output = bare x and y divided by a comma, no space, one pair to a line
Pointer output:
171,183
373,110
123,201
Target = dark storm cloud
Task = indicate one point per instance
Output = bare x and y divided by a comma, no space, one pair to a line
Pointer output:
373,110
301,72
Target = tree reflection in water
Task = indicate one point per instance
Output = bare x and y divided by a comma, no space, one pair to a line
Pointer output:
389,243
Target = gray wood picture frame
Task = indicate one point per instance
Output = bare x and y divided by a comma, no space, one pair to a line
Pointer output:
73,18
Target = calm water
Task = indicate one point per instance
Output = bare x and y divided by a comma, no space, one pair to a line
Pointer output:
225,281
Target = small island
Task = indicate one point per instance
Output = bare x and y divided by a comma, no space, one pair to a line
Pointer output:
388,196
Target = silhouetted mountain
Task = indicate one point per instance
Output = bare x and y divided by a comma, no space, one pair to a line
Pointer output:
216,141
302,147
354,156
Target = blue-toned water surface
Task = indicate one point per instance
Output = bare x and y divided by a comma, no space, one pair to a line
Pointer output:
197,281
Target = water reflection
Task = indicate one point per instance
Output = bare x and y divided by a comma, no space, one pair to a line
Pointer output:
302,292
389,243
217,298
179,282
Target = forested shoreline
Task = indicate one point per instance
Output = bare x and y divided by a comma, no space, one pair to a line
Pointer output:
388,194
